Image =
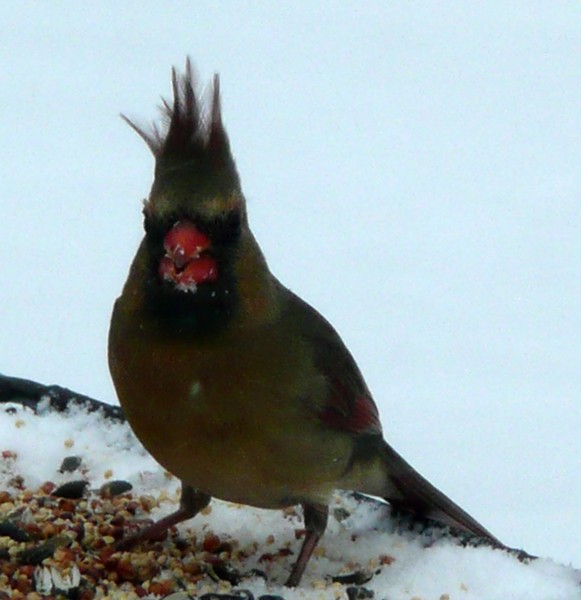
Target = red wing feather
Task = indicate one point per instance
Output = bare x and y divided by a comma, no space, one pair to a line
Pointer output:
355,414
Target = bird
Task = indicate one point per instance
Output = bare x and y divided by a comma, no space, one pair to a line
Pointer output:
231,381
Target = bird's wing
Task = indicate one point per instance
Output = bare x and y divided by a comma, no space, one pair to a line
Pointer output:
348,404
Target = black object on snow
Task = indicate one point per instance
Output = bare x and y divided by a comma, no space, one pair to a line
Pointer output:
31,394
74,490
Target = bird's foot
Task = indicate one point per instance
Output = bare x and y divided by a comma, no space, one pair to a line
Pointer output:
191,502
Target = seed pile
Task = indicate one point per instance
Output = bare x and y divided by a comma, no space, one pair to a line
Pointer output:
59,542
52,544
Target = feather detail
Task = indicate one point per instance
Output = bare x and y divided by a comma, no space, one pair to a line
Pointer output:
191,130
355,414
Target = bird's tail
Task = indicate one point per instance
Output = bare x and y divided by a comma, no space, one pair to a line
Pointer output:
411,492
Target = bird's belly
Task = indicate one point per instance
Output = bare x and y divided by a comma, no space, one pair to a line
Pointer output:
243,456
228,418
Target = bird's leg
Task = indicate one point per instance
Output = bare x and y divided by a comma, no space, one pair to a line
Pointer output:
192,501
316,516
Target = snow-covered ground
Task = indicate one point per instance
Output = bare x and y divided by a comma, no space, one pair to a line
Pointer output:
402,567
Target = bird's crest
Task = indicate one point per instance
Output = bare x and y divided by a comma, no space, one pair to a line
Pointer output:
191,133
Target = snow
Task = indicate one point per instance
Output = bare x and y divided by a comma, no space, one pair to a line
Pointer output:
443,570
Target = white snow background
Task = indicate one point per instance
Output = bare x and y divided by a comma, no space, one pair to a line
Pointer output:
412,170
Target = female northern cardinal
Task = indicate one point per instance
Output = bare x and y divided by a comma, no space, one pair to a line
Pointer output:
233,383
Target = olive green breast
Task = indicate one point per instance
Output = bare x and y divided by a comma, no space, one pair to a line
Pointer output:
234,414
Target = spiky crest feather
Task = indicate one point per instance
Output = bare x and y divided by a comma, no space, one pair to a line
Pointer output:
191,130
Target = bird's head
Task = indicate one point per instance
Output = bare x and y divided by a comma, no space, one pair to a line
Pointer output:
195,216
195,212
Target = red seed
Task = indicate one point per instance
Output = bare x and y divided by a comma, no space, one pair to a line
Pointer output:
211,543
48,487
